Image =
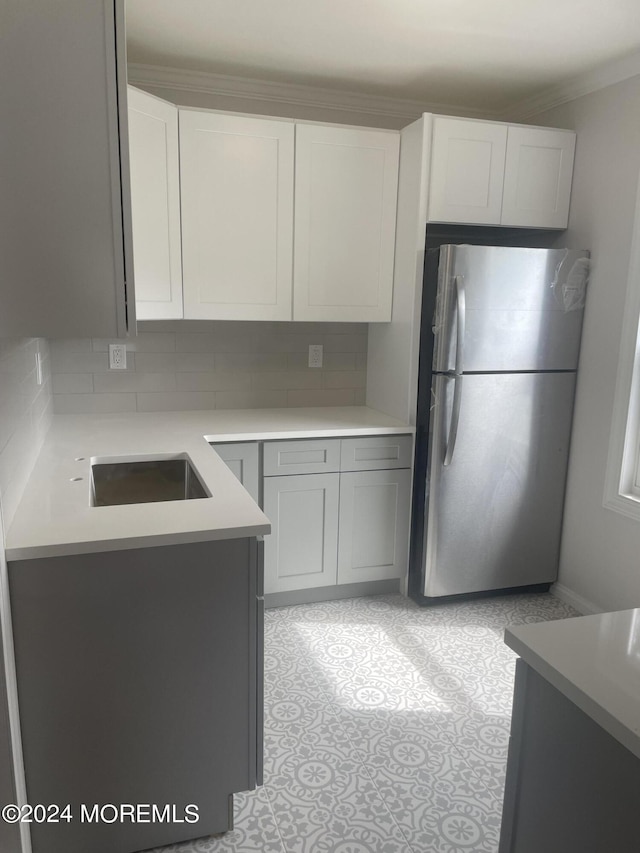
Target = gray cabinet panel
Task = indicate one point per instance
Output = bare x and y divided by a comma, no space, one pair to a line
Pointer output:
373,525
301,551
570,786
9,833
136,678
65,237
242,459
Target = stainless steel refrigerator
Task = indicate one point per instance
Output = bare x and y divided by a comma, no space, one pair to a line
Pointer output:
499,346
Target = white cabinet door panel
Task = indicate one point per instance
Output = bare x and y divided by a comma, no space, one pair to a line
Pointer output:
537,181
155,206
242,458
467,171
345,215
301,551
237,216
373,525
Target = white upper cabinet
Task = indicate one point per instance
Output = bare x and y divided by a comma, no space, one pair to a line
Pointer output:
237,216
155,206
467,168
65,218
537,177
345,214
489,173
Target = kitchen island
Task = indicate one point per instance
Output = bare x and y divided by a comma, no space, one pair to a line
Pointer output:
573,772
138,627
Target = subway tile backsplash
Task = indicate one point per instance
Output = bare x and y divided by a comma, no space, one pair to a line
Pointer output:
175,366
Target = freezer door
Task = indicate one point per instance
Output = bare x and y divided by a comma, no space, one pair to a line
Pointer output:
494,512
521,309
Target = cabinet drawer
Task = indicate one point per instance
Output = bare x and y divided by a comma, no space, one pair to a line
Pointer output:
376,452
320,456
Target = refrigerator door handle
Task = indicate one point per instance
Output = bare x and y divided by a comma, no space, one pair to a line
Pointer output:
461,317
455,419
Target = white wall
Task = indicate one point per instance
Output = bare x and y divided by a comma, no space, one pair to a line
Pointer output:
600,559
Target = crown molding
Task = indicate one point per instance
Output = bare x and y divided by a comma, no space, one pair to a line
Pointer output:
584,84
295,94
162,77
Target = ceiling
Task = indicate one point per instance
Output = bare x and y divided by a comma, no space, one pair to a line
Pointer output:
487,54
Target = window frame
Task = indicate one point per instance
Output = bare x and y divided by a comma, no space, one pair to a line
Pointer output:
622,480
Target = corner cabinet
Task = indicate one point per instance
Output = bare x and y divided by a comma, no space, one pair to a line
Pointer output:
345,221
489,173
237,216
243,460
65,237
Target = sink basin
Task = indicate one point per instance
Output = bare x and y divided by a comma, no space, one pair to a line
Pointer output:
145,482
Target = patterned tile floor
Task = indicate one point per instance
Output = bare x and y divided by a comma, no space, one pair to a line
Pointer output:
386,728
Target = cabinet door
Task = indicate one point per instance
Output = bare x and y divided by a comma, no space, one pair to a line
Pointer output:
65,212
537,178
467,171
302,550
374,525
237,216
242,459
345,217
155,206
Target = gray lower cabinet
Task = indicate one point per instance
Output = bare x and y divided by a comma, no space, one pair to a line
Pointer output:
373,524
345,526
570,786
243,459
139,679
9,832
301,552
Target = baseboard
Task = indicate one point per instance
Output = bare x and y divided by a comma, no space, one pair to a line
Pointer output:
331,593
581,604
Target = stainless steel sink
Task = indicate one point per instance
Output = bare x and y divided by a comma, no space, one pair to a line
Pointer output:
145,482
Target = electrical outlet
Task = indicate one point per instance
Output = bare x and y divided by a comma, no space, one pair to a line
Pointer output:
117,357
315,355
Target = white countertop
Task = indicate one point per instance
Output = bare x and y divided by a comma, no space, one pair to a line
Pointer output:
595,662
55,516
